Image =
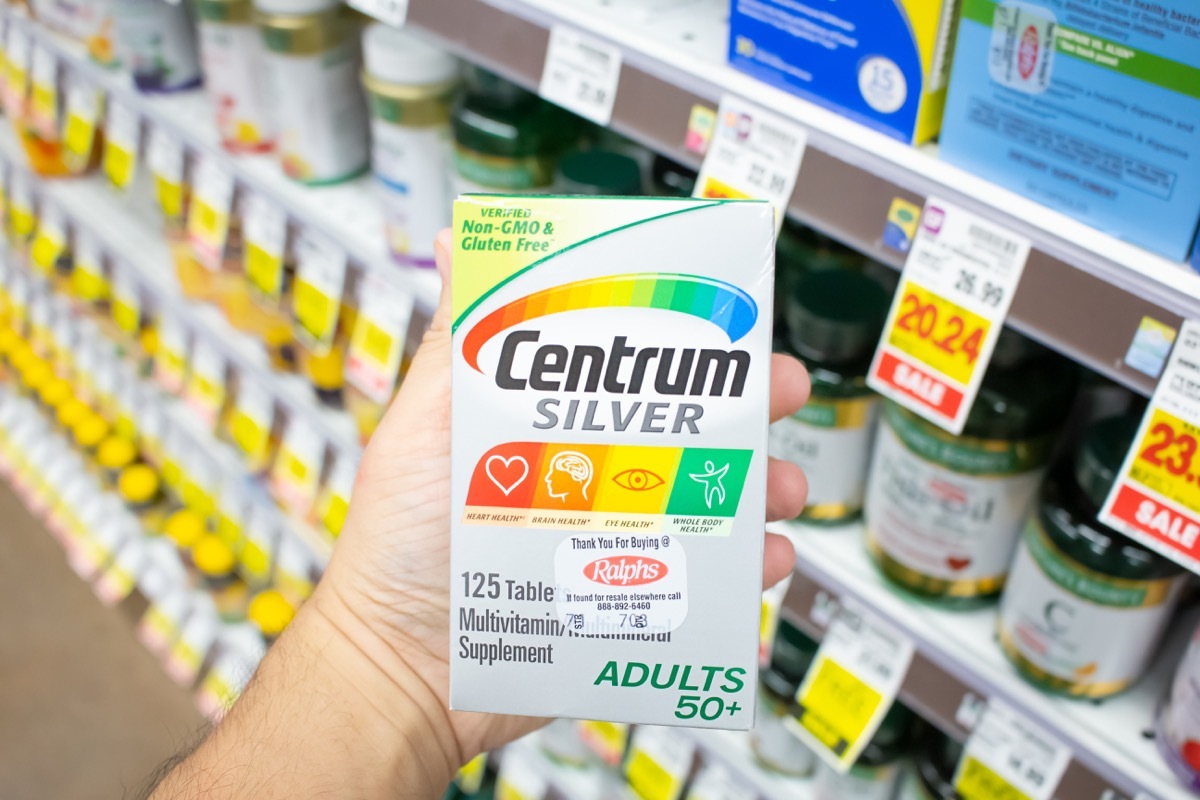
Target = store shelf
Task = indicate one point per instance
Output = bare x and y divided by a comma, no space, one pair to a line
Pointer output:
958,661
1083,293
129,237
348,213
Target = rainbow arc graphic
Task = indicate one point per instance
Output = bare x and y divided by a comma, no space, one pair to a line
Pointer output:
721,303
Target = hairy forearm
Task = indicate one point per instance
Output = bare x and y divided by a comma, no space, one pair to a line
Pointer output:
320,719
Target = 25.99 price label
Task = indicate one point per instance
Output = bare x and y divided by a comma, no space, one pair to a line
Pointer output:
1156,497
958,283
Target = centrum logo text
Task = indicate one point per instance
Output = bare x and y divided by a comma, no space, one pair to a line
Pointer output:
625,571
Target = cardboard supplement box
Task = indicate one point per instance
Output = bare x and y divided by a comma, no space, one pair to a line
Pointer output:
1089,108
880,62
611,370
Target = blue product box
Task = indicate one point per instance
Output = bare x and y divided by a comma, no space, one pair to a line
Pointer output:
883,63
1091,108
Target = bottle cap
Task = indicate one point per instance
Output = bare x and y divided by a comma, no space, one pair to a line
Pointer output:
90,431
138,484
213,556
116,452
184,528
599,172
1101,453
271,612
294,7
395,55
70,412
37,374
326,370
836,316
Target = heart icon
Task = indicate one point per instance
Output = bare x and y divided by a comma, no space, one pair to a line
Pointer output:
507,473
957,563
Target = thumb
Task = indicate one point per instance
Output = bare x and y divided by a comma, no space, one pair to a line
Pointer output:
443,249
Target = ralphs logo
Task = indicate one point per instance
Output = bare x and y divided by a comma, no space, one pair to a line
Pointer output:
721,303
625,571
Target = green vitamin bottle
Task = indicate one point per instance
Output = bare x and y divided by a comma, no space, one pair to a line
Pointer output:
507,139
599,172
833,320
934,766
775,747
801,251
1085,606
944,512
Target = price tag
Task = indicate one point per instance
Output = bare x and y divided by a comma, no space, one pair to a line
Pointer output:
335,501
208,215
377,342
51,238
165,158
851,685
393,12
257,557
1009,757
605,739
43,103
320,281
470,777
83,110
251,422
957,285
1156,497
581,74
88,281
518,780
151,421
716,783
122,132
16,69
205,392
754,153
233,506
171,357
297,470
201,476
20,204
659,762
127,304
266,243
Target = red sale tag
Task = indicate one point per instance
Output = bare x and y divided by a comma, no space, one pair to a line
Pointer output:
955,292
1156,497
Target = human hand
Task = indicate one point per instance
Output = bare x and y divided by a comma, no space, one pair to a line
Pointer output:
387,588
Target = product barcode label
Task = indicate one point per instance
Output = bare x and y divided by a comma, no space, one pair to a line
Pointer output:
1010,757
266,243
581,74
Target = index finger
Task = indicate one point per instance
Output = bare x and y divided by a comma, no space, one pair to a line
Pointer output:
790,385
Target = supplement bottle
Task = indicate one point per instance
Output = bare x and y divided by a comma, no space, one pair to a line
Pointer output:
156,41
232,51
833,320
215,564
410,89
271,613
774,746
1085,606
934,765
599,172
1178,725
505,138
672,179
877,772
944,512
312,64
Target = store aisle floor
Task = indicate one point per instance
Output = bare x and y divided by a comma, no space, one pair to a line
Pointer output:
85,711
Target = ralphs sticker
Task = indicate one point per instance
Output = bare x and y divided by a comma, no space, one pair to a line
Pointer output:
611,367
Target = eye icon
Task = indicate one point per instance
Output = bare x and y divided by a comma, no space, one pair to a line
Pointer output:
637,480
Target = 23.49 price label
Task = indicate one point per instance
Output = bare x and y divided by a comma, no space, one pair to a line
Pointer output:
1156,497
958,283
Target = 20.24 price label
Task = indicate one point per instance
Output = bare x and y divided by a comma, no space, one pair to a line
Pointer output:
957,286
1156,497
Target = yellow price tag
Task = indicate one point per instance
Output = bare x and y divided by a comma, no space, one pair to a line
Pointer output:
207,229
88,281
80,133
121,145
46,249
264,270
945,336
249,436
649,779
837,706
315,311
119,164
470,777
265,225
44,108
23,219
255,562
333,516
976,781
606,739
1164,459
719,190
126,315
170,197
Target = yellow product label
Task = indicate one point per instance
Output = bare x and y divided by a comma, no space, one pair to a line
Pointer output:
333,515
255,562
938,333
126,314
838,706
88,281
186,656
316,312
977,781
44,105
470,777
250,437
264,270
1164,459
229,530
196,495
46,249
606,739
79,136
649,779
207,230
170,197
119,164
23,220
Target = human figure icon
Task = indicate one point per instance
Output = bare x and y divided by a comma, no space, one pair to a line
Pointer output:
713,488
569,472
